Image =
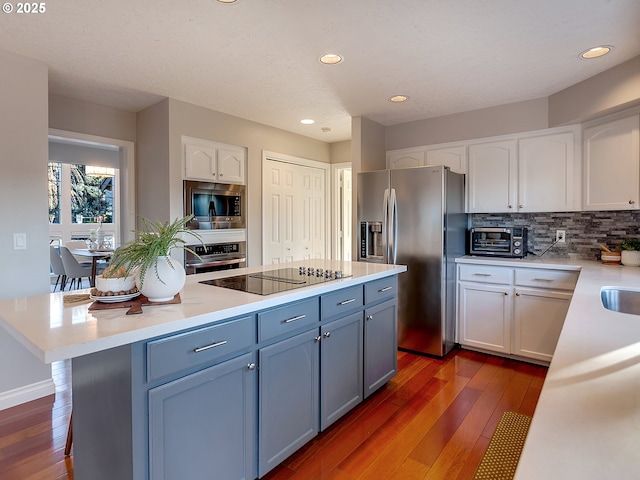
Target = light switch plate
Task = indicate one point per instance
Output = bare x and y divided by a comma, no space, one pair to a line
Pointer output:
19,241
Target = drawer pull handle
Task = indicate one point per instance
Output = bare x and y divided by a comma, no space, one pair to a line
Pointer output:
211,345
318,339
369,317
543,280
482,274
385,289
293,319
251,366
327,334
345,302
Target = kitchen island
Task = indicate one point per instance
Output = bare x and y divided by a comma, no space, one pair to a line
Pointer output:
587,420
225,381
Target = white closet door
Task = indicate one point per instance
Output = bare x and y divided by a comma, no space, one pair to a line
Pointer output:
294,212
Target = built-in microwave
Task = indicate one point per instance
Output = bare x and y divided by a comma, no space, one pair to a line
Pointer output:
214,205
498,242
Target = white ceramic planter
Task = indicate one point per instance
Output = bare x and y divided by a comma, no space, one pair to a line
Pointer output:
162,287
630,258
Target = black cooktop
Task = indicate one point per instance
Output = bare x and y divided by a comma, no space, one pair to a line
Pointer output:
274,281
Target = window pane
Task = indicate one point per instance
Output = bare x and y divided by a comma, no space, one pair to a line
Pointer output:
55,170
91,195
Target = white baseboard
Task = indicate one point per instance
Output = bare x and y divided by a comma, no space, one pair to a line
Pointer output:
21,395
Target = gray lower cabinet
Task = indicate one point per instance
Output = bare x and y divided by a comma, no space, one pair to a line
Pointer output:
231,400
203,425
340,367
288,392
380,345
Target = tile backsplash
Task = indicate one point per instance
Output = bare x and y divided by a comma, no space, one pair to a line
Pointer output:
585,231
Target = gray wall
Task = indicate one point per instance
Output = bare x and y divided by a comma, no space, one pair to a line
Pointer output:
85,117
23,203
341,152
153,170
611,91
199,122
487,122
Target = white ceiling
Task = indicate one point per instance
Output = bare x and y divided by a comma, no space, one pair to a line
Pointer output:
258,59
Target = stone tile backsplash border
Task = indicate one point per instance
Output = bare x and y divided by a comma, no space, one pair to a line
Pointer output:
585,231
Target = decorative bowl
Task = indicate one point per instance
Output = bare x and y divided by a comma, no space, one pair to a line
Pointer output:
115,284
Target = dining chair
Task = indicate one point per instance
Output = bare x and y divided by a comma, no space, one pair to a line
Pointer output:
78,245
74,270
57,267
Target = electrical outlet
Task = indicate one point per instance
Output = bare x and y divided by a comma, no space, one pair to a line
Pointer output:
560,236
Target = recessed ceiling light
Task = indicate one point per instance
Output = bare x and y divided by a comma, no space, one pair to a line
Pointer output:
596,52
227,1
307,121
331,59
398,98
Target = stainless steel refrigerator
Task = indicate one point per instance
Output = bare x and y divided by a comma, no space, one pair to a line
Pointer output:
415,217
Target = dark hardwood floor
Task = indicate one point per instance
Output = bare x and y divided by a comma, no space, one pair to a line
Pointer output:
434,420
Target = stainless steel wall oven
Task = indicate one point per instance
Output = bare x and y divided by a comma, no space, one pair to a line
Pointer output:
215,257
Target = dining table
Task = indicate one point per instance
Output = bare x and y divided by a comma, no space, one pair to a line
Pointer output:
95,255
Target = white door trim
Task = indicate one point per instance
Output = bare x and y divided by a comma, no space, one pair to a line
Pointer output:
336,171
281,157
127,175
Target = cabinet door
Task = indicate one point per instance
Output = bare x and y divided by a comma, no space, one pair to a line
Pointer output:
538,319
289,380
546,173
230,165
200,162
493,177
341,367
611,172
484,316
405,159
204,424
380,345
453,157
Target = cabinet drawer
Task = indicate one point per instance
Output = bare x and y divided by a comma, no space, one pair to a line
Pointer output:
485,274
543,278
179,352
342,301
381,289
289,318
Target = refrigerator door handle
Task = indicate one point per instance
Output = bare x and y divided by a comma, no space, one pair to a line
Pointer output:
393,228
385,225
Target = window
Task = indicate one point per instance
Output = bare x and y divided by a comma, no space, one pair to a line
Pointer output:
82,198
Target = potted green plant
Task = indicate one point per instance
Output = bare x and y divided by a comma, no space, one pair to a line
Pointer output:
630,252
158,277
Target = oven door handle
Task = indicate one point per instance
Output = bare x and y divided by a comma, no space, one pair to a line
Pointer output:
216,263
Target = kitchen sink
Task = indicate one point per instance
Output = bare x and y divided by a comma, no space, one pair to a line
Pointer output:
620,300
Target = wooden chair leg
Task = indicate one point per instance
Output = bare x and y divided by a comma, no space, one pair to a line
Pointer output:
67,447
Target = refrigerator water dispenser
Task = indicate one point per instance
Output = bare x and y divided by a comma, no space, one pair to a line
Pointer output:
371,240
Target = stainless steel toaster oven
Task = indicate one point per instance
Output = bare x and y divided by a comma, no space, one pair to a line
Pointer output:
498,242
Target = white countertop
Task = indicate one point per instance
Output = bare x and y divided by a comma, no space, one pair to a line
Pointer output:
53,331
587,421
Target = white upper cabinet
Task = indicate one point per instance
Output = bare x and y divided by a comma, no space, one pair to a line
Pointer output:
611,165
546,173
403,159
213,162
454,157
200,162
527,173
230,163
492,180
